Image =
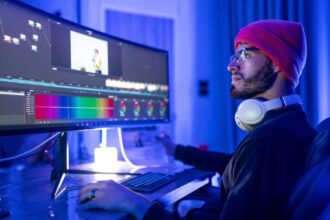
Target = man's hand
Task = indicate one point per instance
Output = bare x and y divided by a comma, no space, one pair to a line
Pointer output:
167,142
109,195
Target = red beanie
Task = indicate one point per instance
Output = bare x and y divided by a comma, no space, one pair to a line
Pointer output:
284,42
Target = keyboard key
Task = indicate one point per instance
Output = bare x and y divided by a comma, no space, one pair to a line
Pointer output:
149,182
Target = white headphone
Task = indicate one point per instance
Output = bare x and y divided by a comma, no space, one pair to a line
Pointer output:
250,112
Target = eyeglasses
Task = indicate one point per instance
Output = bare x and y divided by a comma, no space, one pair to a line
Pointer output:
241,55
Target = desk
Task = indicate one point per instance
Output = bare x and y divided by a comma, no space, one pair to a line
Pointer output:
27,193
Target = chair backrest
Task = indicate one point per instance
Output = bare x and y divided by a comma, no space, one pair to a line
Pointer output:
310,198
320,149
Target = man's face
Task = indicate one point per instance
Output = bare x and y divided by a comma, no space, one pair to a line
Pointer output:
252,72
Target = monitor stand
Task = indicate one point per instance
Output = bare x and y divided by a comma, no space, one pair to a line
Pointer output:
61,166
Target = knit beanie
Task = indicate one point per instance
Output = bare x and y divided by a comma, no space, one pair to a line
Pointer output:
283,42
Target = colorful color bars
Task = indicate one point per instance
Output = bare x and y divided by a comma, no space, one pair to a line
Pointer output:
59,107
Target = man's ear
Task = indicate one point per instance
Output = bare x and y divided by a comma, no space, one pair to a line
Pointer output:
276,69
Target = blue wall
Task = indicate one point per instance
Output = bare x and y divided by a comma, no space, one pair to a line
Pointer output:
68,9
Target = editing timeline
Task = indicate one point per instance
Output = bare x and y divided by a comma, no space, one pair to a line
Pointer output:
50,107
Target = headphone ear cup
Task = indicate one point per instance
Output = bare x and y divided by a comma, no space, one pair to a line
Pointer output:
242,125
249,113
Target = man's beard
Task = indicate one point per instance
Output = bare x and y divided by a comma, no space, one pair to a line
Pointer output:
257,84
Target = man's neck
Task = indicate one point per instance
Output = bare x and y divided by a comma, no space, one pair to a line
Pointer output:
274,94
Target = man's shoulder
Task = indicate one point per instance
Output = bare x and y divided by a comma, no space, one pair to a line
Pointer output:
272,129
287,121
291,127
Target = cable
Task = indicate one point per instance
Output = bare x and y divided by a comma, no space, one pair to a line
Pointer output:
47,149
27,153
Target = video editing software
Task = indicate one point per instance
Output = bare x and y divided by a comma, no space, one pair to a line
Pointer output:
57,74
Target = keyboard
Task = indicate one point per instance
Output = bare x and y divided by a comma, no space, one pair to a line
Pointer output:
149,182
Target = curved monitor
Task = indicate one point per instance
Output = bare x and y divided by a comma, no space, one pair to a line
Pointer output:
56,75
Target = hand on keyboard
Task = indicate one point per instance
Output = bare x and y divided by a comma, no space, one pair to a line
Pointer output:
110,195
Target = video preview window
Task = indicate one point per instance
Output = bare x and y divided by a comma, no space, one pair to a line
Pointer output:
88,54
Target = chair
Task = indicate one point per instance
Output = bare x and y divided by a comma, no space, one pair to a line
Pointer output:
311,196
320,149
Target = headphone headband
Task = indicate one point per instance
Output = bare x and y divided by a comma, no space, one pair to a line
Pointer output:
282,102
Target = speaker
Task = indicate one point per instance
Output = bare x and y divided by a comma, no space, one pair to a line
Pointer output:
251,111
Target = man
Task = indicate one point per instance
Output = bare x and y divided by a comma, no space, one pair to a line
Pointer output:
257,181
97,62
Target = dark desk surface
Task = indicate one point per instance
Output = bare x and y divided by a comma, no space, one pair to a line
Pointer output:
27,193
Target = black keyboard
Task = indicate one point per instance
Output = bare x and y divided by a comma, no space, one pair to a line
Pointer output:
149,182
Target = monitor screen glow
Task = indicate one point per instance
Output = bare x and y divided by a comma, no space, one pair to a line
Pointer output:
56,75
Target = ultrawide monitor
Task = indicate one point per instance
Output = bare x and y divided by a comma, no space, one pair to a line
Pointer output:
56,75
